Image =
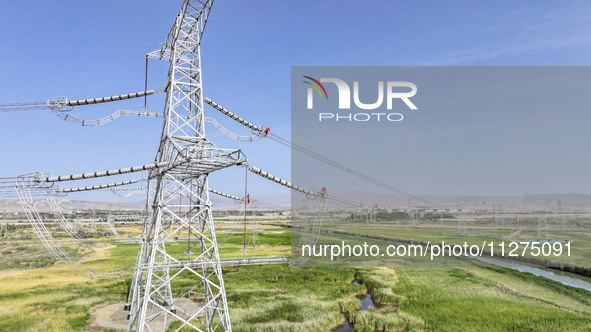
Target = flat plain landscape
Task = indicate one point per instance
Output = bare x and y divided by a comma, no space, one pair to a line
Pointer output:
39,294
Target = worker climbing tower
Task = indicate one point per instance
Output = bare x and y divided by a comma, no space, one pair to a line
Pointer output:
182,283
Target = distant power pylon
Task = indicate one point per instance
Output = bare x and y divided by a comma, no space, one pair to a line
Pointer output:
462,227
543,227
561,219
253,236
497,211
4,224
412,213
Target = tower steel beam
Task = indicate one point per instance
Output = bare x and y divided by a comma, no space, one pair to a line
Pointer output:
171,284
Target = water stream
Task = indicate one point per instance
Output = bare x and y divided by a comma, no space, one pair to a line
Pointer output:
346,327
366,302
563,277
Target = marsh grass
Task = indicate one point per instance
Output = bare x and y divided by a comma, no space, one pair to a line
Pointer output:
280,298
379,283
455,300
371,320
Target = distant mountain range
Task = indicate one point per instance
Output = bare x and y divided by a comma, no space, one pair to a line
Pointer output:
11,205
564,202
219,203
567,202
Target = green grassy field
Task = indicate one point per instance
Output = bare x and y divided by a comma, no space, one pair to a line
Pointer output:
281,298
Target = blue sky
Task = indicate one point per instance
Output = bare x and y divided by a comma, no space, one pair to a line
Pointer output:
83,49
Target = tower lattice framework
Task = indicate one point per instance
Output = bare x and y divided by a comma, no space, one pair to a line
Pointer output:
176,280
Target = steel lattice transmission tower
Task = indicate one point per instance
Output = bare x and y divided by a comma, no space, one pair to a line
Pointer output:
178,199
